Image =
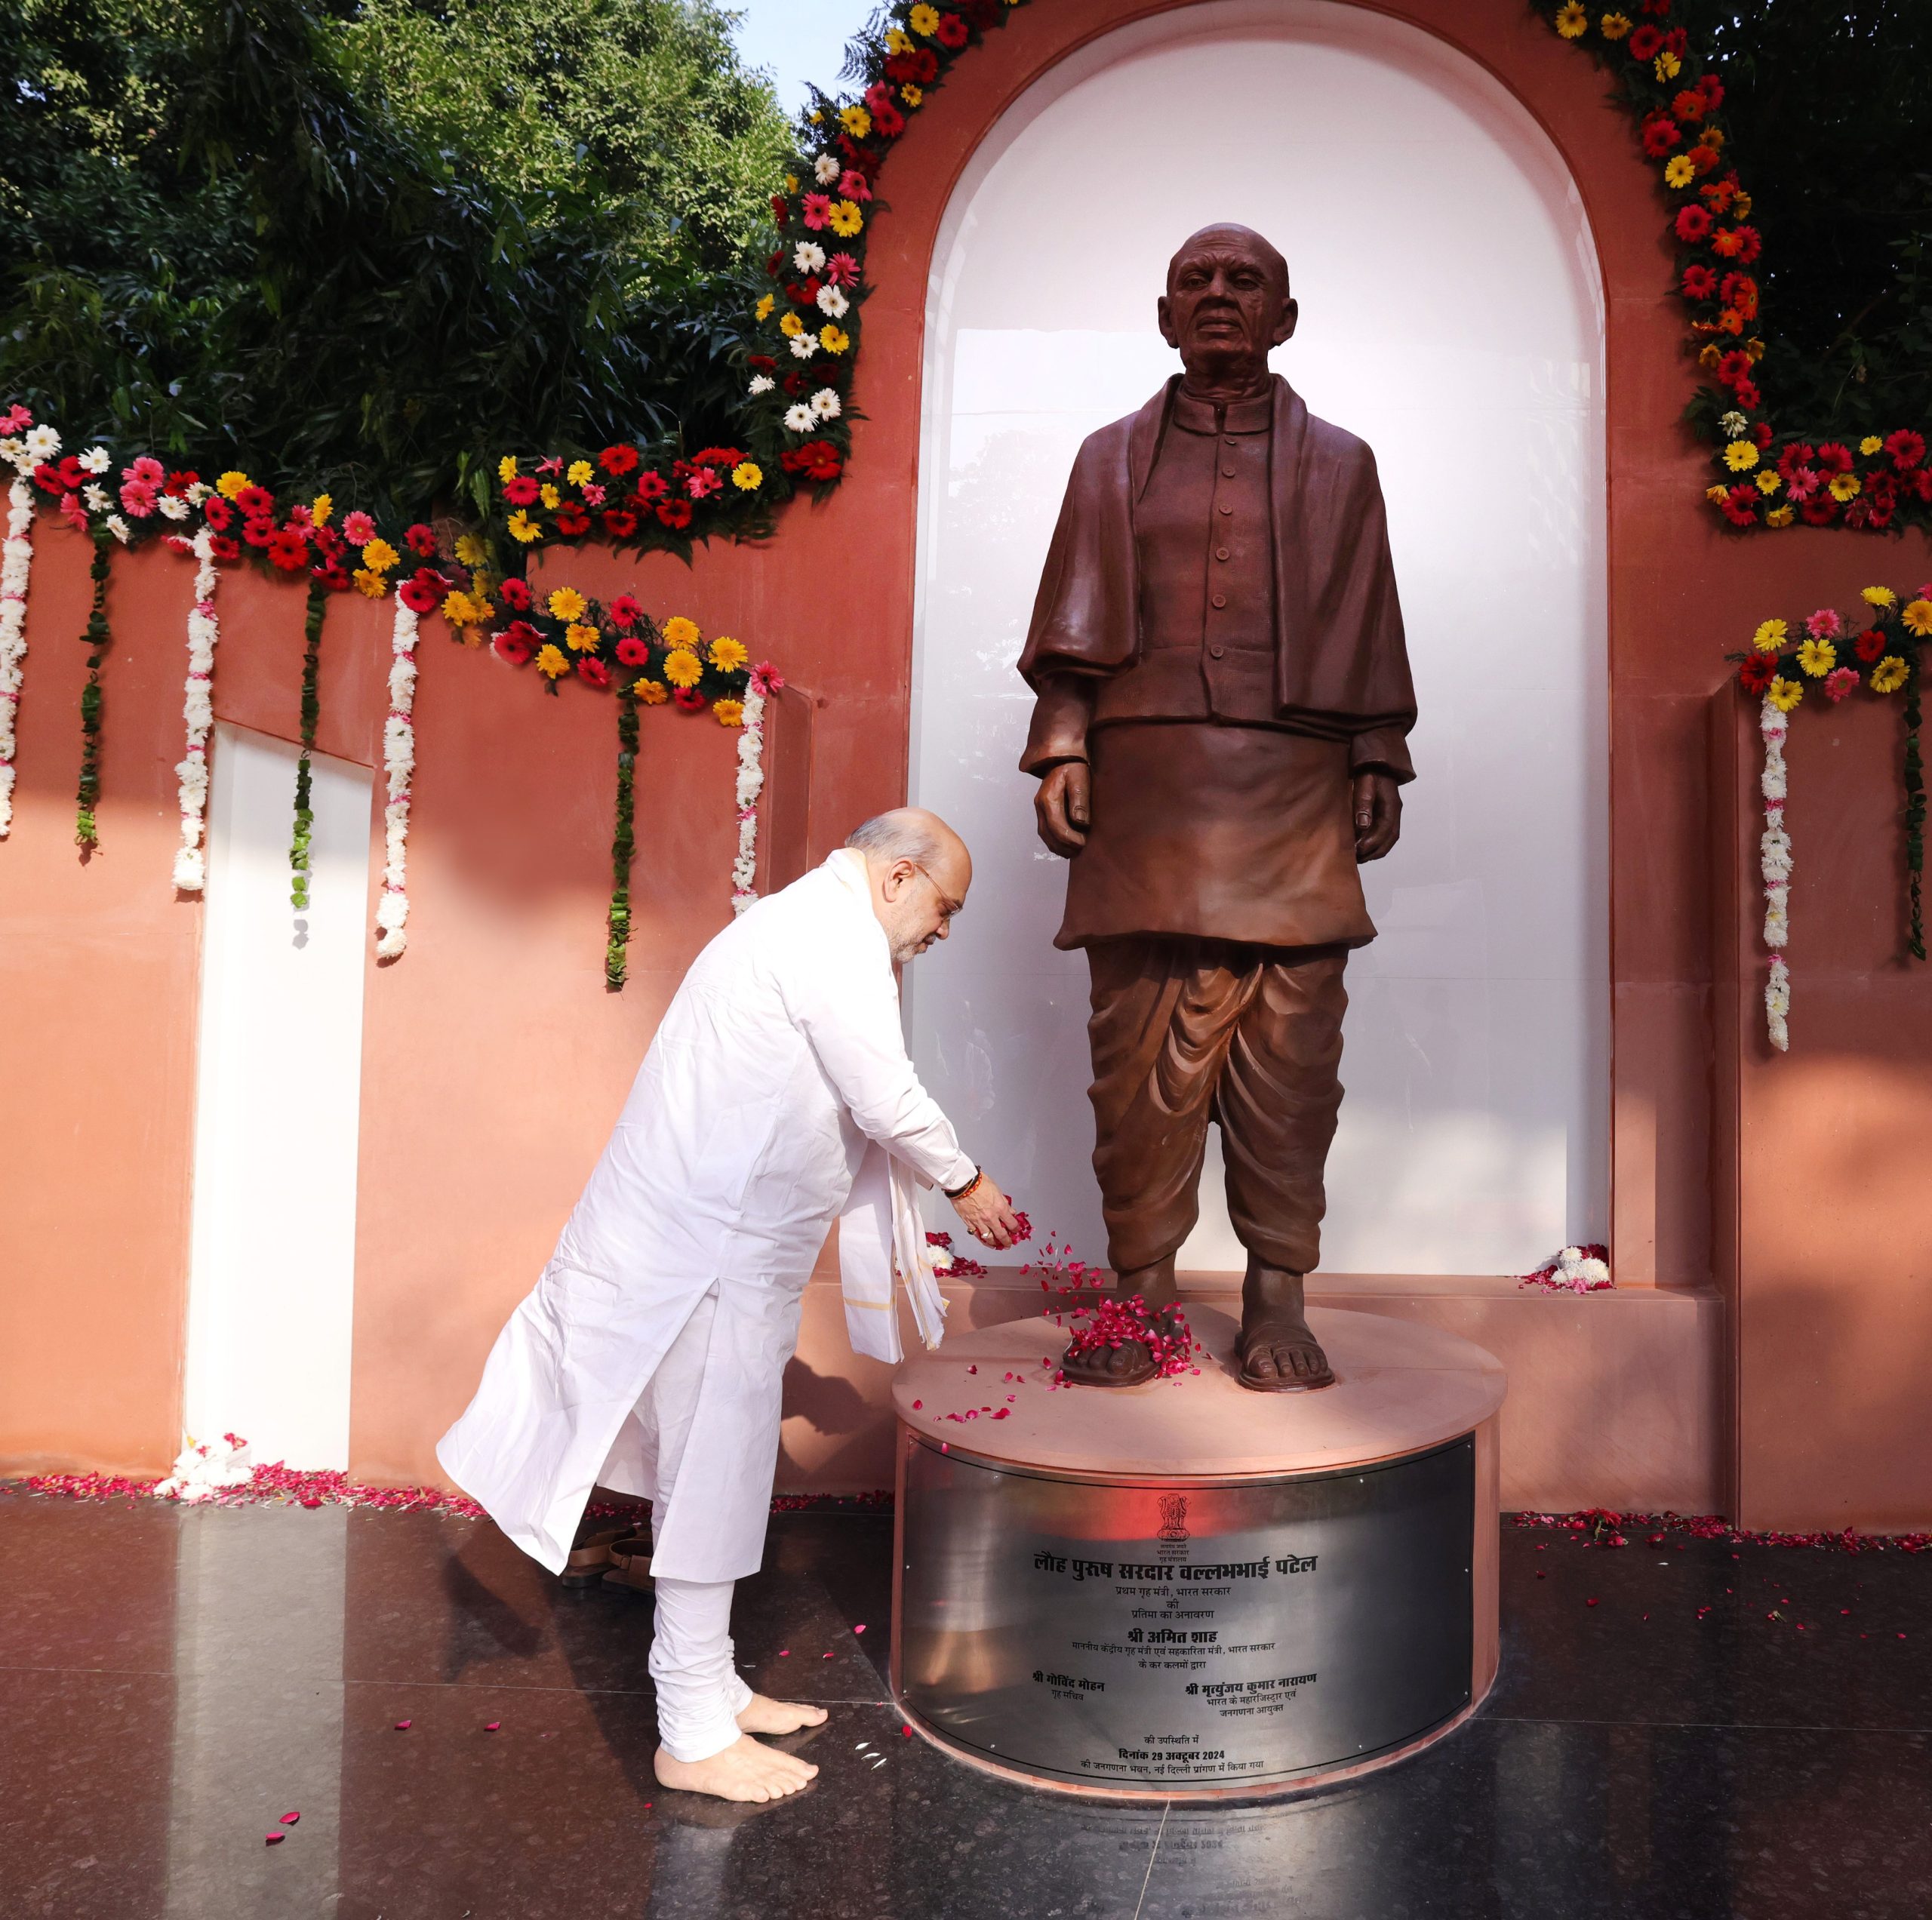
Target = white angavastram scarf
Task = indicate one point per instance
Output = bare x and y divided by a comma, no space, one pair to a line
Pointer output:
881,1232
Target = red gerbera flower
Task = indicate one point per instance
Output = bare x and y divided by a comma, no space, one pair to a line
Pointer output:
1758,672
1740,506
1693,223
1819,512
178,483
1700,282
517,642
632,652
421,540
951,32
288,550
593,671
1739,291
420,597
47,478
651,486
1906,448
763,363
691,699
1703,158
1735,366
255,499
572,521
889,123
223,548
780,212
795,384
1869,644
618,459
217,512
620,524
333,577
1799,453
1747,395
674,513
1690,105
521,490
1835,457
1661,133
1711,87
515,594
624,611
1644,43
1921,478
256,528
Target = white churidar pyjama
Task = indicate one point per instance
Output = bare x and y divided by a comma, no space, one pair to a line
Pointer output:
700,1695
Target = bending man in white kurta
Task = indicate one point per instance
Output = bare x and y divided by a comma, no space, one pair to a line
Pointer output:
776,1097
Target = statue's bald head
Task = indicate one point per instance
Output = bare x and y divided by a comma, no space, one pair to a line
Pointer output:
1228,237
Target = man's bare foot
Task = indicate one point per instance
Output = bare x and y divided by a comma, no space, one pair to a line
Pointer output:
1276,1353
746,1769
770,1716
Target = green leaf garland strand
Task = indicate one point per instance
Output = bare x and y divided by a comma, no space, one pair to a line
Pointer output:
86,794
299,844
623,845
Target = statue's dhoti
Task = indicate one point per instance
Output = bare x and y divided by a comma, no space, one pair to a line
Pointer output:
1184,1030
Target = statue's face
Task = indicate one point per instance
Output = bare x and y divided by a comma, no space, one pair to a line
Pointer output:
1227,303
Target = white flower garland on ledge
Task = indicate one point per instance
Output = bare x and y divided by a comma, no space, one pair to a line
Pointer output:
1775,862
751,783
16,562
198,709
399,767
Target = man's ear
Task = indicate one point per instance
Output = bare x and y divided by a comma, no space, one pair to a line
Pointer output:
1284,328
1166,323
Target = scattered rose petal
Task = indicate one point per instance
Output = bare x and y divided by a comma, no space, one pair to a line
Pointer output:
273,1839
917,1404
1589,1603
491,1726
860,1628
907,1731
289,1820
403,1726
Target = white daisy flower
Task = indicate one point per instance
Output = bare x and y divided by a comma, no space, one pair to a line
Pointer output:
826,404
43,443
800,419
1734,424
96,497
825,169
808,257
831,302
199,491
804,345
172,506
95,460
762,384
118,528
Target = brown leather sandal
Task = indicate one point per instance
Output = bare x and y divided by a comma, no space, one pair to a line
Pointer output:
590,1557
630,1563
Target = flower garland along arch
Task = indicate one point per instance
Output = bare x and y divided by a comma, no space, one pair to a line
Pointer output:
1766,476
1880,648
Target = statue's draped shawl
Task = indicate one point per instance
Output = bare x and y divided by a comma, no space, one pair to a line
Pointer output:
1341,666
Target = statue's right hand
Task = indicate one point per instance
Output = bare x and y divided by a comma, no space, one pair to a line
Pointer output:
1062,808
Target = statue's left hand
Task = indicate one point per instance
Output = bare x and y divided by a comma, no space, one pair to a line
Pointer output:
1378,814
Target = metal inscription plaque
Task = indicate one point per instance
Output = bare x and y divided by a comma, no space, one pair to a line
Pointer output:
1159,1635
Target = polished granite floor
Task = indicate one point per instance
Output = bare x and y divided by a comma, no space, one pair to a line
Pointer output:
172,1681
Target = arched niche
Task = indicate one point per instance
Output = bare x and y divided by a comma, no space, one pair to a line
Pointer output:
1452,314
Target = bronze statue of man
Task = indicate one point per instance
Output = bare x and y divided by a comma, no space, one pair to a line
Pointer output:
1222,700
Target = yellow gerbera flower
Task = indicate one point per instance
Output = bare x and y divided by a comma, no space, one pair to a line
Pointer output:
1781,516
683,669
729,712
578,471
1877,596
1709,355
923,20
549,496
1715,494
834,339
845,218
379,556
457,608
1678,171
1845,486
791,325
1769,480
1770,635
1785,694
1741,456
565,603
653,693
506,467
231,483
856,121
374,584
1741,207
912,95
728,655
1667,65
1889,675
679,631
470,552
581,636
550,660
763,310
1918,617
748,476
1614,26
522,527
897,41
1871,445
1572,22
1817,657
320,507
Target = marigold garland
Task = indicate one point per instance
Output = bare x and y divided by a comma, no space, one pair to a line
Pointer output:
1879,647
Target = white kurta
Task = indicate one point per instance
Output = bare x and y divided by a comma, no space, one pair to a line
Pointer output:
779,1064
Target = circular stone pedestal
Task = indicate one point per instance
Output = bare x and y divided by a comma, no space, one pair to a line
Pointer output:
1188,1589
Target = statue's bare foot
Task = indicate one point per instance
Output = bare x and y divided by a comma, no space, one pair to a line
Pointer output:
1127,1364
770,1716
1278,1354
746,1770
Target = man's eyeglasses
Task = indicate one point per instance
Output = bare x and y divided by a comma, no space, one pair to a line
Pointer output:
948,907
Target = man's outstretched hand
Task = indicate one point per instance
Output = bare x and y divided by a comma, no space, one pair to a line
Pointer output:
1378,814
1062,808
987,1212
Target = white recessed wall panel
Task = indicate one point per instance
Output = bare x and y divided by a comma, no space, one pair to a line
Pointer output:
272,1281
1451,316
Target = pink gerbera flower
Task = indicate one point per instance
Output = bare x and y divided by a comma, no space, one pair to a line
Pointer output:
1824,625
1839,682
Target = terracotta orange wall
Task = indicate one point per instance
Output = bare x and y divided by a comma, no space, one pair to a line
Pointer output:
494,1060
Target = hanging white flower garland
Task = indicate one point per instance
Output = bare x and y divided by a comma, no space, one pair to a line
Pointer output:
764,681
198,709
399,766
16,562
1775,862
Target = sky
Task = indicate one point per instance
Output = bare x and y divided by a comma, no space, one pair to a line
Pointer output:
799,41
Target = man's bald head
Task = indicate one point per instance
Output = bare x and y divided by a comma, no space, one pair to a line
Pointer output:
1230,236
920,870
